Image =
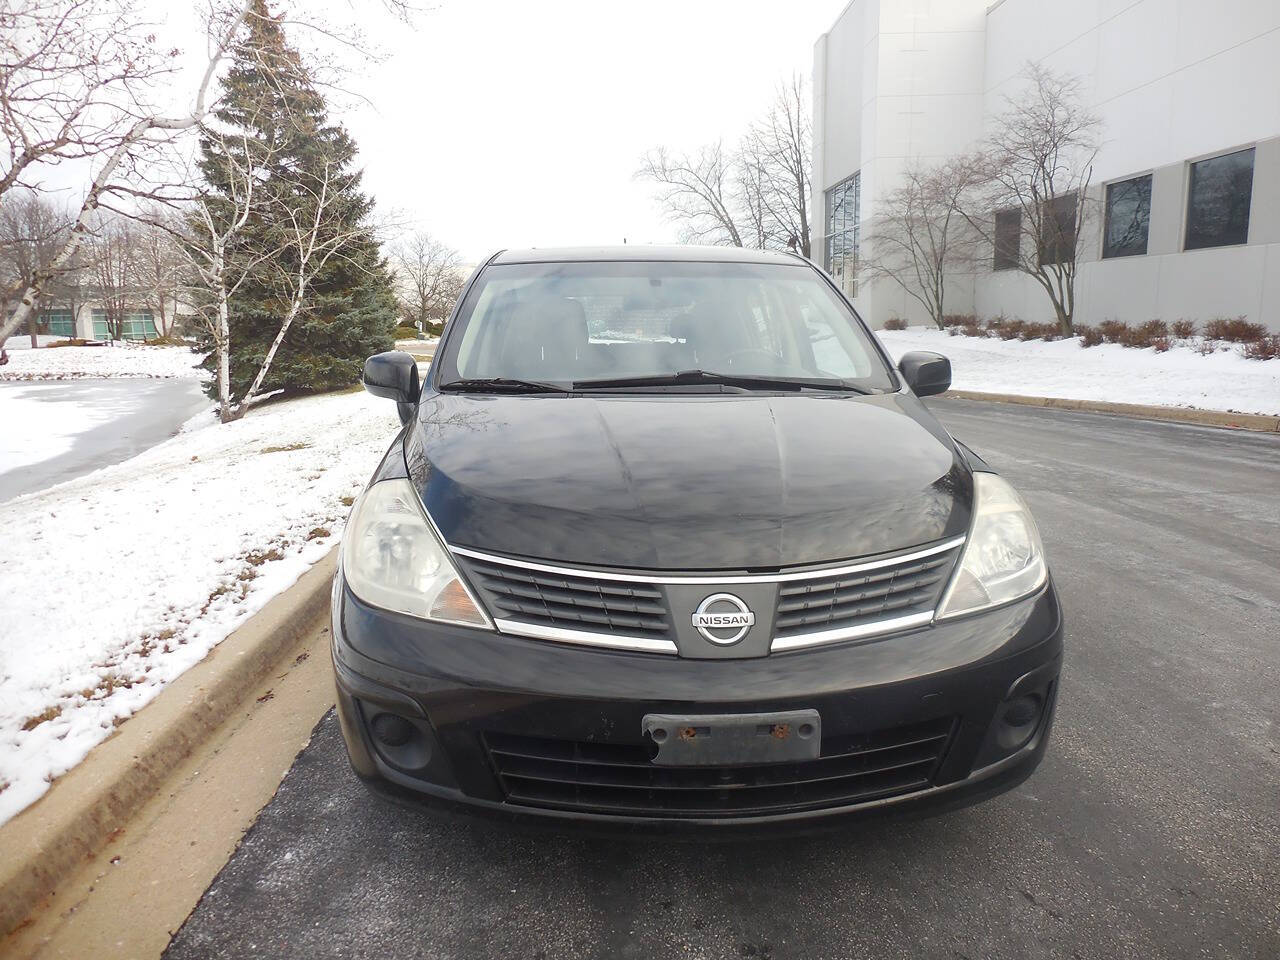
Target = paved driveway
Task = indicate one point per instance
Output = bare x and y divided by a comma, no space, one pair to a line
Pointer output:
1151,830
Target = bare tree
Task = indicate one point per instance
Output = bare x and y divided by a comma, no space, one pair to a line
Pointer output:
697,192
312,236
1032,203
920,236
775,156
111,254
756,195
135,129
429,277
67,68
158,266
208,240
32,230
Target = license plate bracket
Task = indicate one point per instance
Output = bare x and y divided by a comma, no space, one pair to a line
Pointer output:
733,738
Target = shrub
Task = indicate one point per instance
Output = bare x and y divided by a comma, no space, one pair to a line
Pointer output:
1264,348
1089,336
1161,344
974,329
1237,329
1005,328
406,332
1184,329
959,320
895,323
1039,331
1113,331
1145,335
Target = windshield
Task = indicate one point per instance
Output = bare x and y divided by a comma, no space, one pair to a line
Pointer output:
572,323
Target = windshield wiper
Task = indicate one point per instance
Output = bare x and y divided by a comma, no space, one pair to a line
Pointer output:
501,385
746,381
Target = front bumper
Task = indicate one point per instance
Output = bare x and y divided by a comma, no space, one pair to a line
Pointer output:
465,694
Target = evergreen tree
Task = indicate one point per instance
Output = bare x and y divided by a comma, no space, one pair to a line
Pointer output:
278,120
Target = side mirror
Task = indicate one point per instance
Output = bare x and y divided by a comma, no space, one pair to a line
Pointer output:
926,373
393,375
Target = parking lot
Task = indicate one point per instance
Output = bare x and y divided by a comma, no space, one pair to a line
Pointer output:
1151,830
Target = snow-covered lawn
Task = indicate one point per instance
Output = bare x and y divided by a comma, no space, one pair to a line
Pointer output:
121,360
1180,377
113,584
22,341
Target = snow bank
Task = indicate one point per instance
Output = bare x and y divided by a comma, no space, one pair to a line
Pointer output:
113,584
120,360
1180,377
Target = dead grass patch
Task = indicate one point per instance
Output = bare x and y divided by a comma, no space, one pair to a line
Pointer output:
257,558
282,448
44,716
317,533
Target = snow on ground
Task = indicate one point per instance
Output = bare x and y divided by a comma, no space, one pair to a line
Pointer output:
113,584
22,341
37,430
120,360
418,346
1180,377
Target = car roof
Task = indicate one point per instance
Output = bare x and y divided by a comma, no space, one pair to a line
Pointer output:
639,251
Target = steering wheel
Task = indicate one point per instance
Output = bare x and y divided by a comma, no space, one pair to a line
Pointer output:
771,359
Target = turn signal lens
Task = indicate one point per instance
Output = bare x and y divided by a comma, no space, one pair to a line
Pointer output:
1003,558
392,558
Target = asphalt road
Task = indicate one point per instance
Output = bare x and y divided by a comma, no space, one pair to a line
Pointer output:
66,428
1151,830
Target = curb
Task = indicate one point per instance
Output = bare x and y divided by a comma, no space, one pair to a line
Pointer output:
1209,418
90,804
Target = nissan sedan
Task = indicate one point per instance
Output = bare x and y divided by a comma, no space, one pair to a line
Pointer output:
667,540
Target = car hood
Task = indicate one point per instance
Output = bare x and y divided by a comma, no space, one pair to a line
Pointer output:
684,481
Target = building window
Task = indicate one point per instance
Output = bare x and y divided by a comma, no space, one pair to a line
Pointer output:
60,323
1008,239
844,202
1128,218
1058,230
136,325
1218,202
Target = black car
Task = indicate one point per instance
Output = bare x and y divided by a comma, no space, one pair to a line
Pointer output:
666,539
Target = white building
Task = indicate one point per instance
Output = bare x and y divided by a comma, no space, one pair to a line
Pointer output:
1188,176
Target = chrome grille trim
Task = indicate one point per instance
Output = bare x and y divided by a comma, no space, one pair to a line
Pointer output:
816,574
539,631
855,632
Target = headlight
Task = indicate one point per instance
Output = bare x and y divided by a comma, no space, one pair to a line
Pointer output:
392,558
1003,558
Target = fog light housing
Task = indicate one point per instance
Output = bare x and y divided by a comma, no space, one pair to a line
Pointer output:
406,743
1018,720
392,731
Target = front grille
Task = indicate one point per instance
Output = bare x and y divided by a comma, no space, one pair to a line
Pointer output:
571,602
618,778
853,599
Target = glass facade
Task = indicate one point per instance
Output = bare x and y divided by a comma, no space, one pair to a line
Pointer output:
1008,239
844,215
1218,201
1128,218
1058,229
60,323
137,325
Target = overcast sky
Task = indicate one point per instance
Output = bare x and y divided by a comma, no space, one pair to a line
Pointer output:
500,123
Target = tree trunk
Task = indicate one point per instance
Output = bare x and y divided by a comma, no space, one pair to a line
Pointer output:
294,309
31,329
1065,325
